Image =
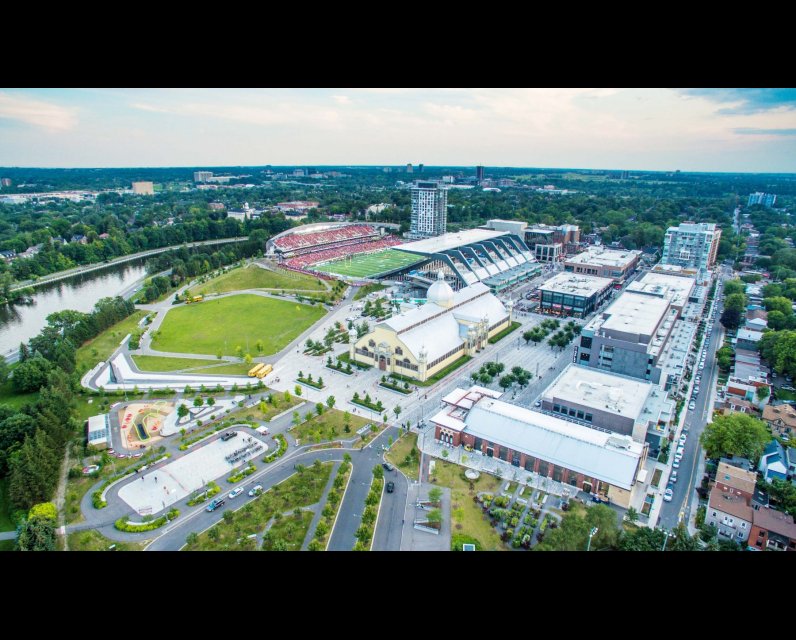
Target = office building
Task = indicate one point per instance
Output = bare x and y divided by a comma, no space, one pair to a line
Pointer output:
409,168
567,294
629,336
479,174
5,182
429,210
591,460
766,199
604,263
678,290
691,245
420,168
202,176
144,188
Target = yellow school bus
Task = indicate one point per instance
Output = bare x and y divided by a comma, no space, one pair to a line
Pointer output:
255,369
265,371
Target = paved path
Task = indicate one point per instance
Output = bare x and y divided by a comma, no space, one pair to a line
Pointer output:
319,507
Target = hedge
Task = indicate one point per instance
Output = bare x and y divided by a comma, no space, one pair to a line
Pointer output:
123,525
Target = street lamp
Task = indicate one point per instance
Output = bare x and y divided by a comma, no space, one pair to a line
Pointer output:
592,533
667,535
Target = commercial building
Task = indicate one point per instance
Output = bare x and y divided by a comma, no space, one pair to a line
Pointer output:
611,402
591,460
567,294
202,176
605,263
678,290
766,199
423,341
629,336
144,188
691,245
409,168
429,210
479,173
98,431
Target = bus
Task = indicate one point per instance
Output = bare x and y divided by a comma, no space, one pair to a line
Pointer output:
255,370
264,371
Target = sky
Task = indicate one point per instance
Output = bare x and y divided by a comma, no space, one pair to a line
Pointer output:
734,130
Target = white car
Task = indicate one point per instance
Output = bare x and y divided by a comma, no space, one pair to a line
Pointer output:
668,495
678,458
235,492
701,366
691,405
680,450
673,477
253,491
682,439
676,464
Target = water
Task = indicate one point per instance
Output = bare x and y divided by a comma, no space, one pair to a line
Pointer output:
19,323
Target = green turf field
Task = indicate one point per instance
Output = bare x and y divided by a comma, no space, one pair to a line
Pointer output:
222,324
368,265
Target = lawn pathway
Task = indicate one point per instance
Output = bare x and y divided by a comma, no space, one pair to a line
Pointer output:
318,507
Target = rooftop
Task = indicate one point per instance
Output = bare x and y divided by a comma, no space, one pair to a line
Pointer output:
736,477
576,284
784,412
676,289
599,255
775,521
731,504
694,227
450,241
632,313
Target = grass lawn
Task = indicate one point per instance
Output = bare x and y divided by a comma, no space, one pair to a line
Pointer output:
367,265
6,524
101,347
83,410
291,529
367,289
13,399
299,490
253,277
220,325
254,412
327,427
785,395
466,516
232,368
502,334
76,488
158,363
7,545
398,452
91,540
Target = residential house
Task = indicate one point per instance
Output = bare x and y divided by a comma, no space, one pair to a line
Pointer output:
776,462
781,418
735,481
730,514
104,236
79,237
8,255
772,531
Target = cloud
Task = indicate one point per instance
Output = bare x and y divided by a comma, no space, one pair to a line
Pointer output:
342,99
746,101
753,131
37,112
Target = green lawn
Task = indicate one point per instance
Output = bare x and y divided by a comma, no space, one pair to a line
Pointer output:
221,325
158,363
101,347
444,372
13,399
232,368
327,427
83,409
398,452
272,410
299,490
91,540
369,264
6,523
367,289
291,529
253,277
466,516
502,334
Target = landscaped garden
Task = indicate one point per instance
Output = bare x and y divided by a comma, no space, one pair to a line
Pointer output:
367,402
91,540
370,514
329,425
159,363
222,325
101,347
405,455
395,384
334,499
502,334
309,381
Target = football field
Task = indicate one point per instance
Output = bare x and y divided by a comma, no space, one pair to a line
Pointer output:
368,265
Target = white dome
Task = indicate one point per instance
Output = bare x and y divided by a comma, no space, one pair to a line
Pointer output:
440,293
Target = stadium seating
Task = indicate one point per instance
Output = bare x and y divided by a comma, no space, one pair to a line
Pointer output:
301,262
300,243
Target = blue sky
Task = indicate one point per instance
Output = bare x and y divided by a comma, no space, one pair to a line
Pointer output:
659,129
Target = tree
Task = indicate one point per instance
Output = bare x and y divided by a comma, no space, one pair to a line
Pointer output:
182,411
724,357
776,320
434,516
31,375
296,418
397,411
732,287
198,402
3,371
730,319
192,538
319,408
735,301
320,381
435,495
211,401
642,539
783,494
527,335
632,515
297,390
248,358
37,533
239,351
779,303
330,402
259,345
506,381
735,434
763,392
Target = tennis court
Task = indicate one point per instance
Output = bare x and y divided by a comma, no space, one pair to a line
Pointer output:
369,265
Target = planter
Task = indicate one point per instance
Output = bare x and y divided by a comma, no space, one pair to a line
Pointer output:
311,385
344,372
403,392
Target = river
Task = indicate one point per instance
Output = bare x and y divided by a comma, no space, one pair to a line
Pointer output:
19,323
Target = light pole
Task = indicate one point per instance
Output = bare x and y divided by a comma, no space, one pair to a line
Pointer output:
592,533
666,539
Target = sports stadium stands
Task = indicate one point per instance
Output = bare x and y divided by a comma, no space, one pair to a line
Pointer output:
301,243
315,256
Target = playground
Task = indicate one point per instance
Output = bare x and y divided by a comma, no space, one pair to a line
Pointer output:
142,422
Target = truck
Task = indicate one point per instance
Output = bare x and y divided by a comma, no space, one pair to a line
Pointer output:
264,371
255,369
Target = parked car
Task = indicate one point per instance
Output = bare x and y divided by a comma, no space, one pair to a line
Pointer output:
537,404
691,405
673,477
680,451
676,464
253,491
215,504
90,469
235,492
683,438
229,435
390,487
387,466
668,495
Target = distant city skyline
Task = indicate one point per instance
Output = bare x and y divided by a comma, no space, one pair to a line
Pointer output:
709,130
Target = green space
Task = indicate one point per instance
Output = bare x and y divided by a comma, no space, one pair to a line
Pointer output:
334,499
444,372
6,545
254,277
328,426
267,410
370,514
235,369
404,455
369,265
13,398
159,363
781,394
302,489
91,540
368,289
466,515
101,347
499,336
86,406
290,529
346,357
6,523
221,325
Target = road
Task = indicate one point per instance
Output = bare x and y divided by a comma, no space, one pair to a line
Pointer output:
688,479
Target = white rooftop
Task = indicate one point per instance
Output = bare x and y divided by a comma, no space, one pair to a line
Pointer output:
449,241
606,456
676,289
577,284
97,423
599,255
591,387
634,313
